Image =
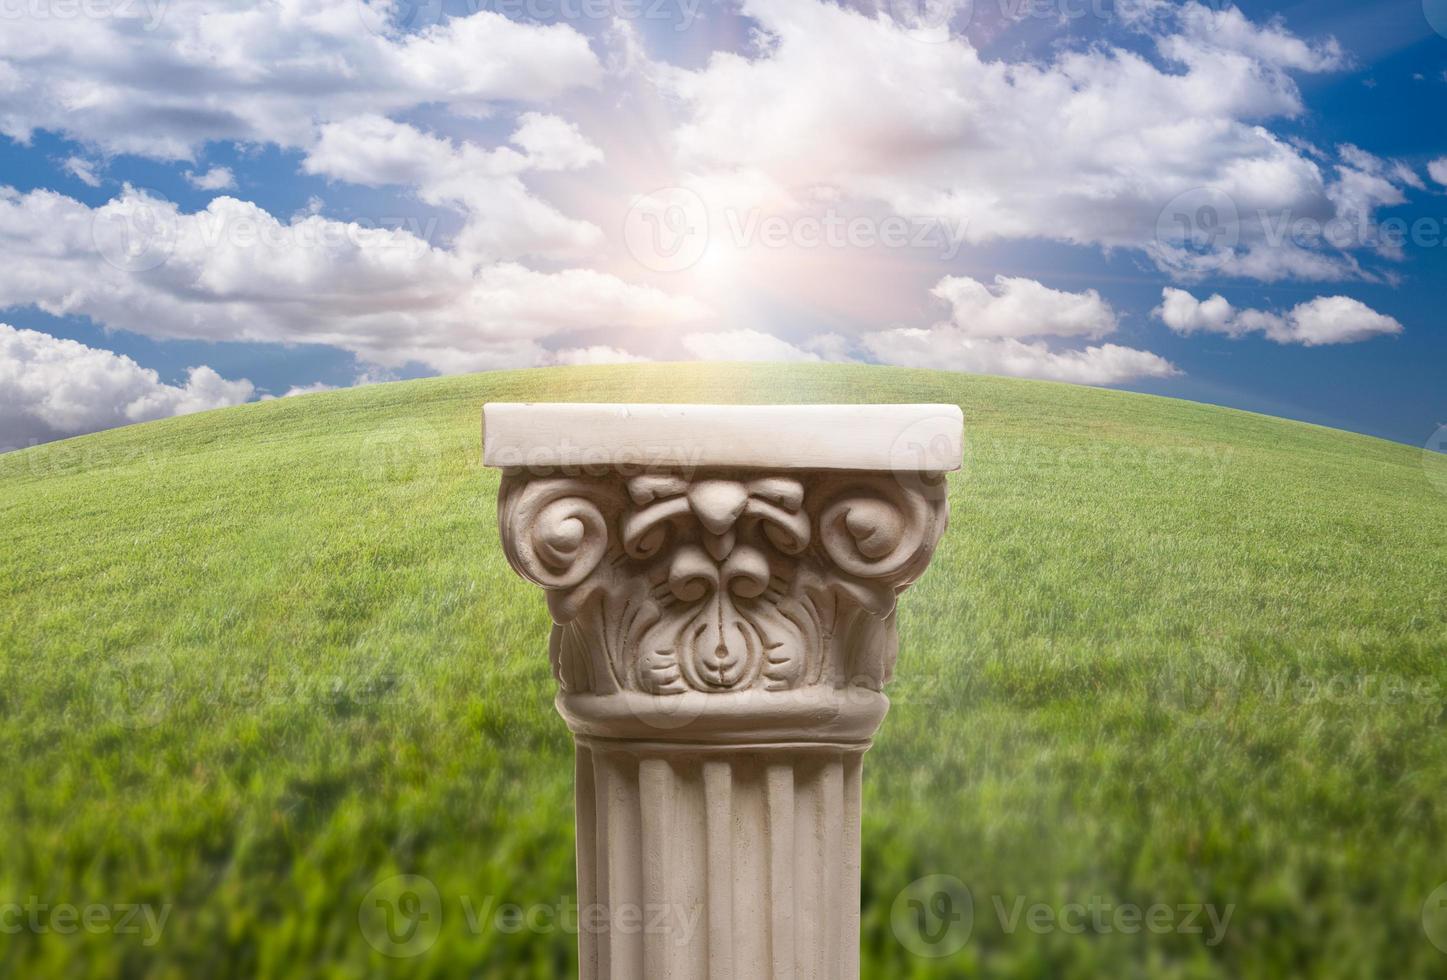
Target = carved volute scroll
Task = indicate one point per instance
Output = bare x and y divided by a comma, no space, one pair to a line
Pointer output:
723,580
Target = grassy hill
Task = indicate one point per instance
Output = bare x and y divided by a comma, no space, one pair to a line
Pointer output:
255,661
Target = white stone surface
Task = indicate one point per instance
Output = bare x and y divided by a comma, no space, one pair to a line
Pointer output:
916,438
723,630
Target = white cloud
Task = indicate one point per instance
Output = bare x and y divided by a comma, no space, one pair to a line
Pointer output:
1204,29
322,77
311,389
215,179
1016,307
1186,315
1437,170
554,144
504,219
946,347
831,346
983,335
598,354
325,78
1337,320
233,272
1101,146
51,388
1324,320
162,86
373,150
743,345
1369,163
82,170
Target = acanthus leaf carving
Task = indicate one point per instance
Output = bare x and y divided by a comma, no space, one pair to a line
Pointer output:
723,581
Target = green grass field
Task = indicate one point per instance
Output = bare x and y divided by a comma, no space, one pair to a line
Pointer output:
255,661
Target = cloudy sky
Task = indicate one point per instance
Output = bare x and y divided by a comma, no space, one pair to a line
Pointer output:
209,202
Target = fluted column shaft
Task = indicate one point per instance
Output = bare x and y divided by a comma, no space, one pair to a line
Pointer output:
719,863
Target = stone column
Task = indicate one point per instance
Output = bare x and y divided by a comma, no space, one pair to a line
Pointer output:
722,582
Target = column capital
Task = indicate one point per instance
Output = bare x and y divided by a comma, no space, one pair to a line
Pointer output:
722,574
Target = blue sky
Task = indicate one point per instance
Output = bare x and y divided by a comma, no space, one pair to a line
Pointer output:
206,203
